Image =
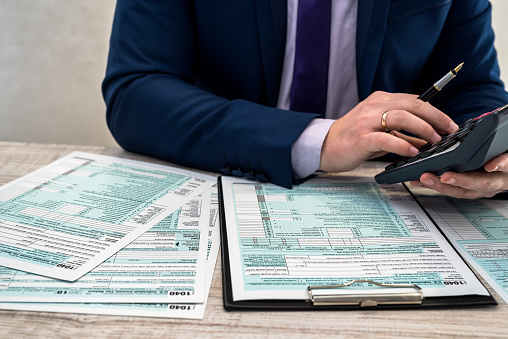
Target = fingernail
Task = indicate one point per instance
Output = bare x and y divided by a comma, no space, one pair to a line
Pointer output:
495,169
416,183
453,126
428,182
436,137
413,150
451,181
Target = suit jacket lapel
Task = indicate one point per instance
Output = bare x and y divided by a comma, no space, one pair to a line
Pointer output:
370,31
272,25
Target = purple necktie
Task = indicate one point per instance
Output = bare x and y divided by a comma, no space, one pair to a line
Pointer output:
310,77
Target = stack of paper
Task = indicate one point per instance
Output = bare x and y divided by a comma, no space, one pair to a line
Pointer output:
105,235
478,229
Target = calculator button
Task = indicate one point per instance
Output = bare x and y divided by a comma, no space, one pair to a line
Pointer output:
425,147
425,155
401,163
413,159
450,143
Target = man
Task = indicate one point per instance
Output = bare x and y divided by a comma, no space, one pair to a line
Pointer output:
208,84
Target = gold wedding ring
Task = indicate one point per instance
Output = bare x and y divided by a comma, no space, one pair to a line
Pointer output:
383,122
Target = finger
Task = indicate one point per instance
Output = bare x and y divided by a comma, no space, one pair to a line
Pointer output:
440,121
499,163
416,142
431,181
386,142
410,103
477,181
416,183
403,120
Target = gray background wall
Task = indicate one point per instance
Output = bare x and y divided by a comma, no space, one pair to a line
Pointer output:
52,61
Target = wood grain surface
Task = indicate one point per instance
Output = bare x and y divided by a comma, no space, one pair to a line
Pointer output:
18,159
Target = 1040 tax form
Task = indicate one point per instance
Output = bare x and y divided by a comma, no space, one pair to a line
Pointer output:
328,231
68,217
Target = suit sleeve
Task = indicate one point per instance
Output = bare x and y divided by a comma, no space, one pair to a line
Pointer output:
155,108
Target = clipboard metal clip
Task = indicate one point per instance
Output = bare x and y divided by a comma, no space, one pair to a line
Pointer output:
407,294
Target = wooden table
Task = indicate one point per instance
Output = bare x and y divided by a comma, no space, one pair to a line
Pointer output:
18,159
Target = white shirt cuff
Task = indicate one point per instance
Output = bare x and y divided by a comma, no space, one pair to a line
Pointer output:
306,150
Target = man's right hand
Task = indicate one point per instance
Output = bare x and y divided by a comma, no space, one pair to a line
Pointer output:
359,135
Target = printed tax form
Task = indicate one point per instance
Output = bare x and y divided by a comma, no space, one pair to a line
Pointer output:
68,217
478,229
165,264
328,231
182,309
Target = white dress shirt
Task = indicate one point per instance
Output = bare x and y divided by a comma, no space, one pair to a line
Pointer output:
342,93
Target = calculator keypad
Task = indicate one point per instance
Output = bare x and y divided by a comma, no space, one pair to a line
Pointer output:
447,143
456,152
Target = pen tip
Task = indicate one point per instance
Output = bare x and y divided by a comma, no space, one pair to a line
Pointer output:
458,68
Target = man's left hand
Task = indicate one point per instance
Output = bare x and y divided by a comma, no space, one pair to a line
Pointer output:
470,185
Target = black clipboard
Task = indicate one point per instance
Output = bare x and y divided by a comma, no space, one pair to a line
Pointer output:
312,304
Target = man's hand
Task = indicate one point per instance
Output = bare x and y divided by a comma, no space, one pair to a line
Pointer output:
470,185
359,135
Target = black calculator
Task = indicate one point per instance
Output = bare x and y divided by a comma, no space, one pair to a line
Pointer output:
477,141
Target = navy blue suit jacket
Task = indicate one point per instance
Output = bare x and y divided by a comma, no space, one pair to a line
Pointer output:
196,82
